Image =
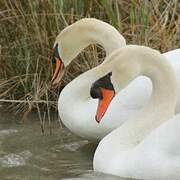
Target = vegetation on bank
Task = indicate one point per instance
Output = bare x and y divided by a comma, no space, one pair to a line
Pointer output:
28,29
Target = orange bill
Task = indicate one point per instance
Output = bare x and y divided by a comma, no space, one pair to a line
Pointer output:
104,103
58,73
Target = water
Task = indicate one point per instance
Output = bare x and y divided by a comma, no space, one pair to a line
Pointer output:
26,154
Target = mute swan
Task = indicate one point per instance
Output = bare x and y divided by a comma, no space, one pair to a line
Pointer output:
135,149
75,106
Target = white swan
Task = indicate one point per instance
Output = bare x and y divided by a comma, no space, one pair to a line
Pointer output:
132,150
75,106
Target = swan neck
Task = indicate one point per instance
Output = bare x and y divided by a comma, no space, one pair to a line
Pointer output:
79,35
161,105
164,92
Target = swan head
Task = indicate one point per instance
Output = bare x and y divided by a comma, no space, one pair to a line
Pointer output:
68,44
103,90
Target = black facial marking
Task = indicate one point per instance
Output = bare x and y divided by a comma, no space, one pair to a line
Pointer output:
55,54
104,82
96,93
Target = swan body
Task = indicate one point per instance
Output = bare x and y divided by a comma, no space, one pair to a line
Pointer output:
145,146
76,107
158,156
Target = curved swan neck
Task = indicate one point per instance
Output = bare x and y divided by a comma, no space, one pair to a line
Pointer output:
164,93
73,39
160,107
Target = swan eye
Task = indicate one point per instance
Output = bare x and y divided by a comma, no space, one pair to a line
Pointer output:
110,74
96,93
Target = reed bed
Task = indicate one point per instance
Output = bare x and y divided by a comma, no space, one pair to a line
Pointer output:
28,30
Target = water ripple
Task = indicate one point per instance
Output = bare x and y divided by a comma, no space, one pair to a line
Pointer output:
7,132
73,146
14,160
